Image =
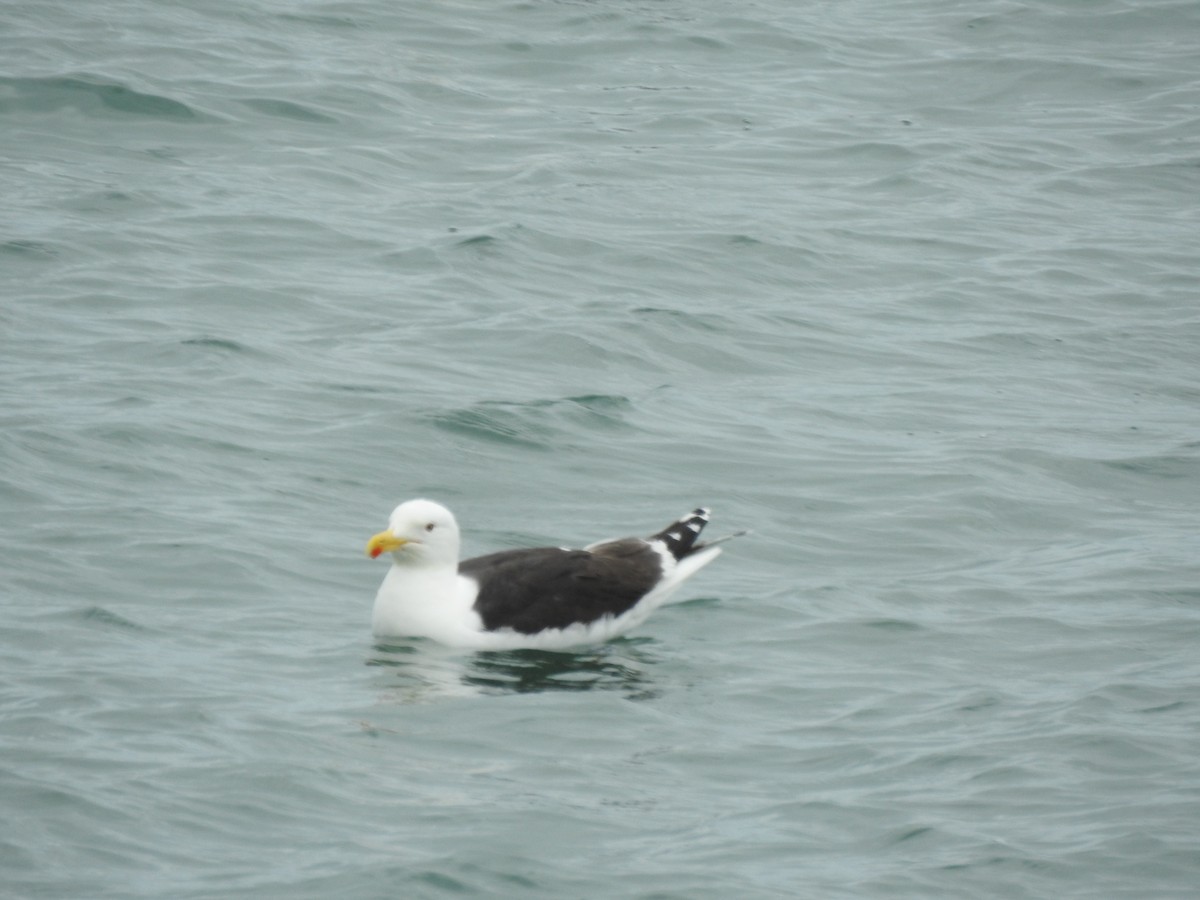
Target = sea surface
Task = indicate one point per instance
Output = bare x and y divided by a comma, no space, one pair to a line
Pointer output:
908,288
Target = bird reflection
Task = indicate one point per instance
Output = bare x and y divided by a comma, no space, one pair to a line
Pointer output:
426,671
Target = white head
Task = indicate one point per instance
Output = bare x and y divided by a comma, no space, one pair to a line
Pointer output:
420,532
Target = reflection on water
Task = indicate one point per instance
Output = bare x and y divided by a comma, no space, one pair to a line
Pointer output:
424,671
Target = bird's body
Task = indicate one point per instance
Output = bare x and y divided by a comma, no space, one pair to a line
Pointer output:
545,597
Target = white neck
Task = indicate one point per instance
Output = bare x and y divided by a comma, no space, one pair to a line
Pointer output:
424,600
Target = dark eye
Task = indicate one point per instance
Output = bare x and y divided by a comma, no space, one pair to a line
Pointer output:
429,527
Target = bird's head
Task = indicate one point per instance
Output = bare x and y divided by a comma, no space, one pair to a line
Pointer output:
418,532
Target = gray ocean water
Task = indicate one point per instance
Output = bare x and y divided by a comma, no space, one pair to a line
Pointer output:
909,288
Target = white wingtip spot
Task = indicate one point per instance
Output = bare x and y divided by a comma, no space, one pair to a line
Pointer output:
693,527
674,535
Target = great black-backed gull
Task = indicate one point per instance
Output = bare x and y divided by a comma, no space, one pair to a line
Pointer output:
542,597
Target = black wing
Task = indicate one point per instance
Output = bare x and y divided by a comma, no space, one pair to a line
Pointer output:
548,587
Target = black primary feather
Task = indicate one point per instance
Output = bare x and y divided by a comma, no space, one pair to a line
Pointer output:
681,535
